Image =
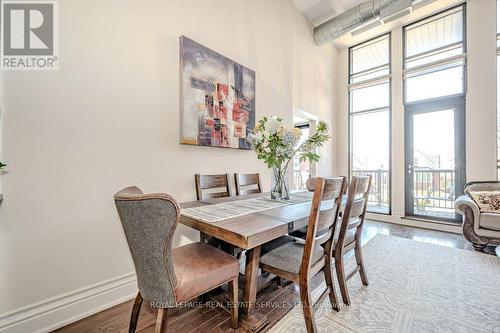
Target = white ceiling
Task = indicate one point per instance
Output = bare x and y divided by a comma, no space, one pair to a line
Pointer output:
318,11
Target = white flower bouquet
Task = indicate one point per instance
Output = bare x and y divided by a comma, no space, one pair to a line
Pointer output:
276,145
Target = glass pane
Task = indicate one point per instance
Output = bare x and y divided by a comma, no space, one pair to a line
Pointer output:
434,33
434,163
370,155
371,54
370,75
445,54
300,169
371,97
436,84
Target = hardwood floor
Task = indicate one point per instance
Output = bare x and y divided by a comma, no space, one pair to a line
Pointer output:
273,301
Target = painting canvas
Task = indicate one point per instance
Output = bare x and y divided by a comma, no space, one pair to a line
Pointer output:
217,98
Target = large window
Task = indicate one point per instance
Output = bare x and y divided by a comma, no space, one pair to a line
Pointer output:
434,90
369,118
434,57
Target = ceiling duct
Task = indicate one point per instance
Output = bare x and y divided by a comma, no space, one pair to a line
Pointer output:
394,11
364,14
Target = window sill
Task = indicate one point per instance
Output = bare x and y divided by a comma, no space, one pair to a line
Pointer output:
436,221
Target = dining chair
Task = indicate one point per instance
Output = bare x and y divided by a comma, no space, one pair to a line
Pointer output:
247,183
212,186
349,235
299,262
167,277
311,184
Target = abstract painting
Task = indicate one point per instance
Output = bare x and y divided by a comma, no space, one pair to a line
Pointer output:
217,98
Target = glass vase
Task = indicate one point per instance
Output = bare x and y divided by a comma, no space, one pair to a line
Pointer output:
279,184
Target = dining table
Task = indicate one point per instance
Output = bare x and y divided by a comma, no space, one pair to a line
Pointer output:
247,222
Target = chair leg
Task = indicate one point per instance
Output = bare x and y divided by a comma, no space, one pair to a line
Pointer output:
161,321
339,268
360,262
135,313
307,307
329,284
233,296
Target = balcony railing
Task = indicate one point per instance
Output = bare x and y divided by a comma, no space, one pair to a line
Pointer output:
434,191
378,200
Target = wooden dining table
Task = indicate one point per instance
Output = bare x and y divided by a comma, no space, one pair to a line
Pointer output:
249,232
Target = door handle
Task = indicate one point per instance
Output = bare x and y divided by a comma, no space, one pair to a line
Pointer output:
411,167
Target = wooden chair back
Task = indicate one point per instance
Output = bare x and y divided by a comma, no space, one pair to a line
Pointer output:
207,185
311,184
325,208
355,208
247,183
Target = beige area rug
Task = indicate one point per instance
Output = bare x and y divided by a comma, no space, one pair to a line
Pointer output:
414,287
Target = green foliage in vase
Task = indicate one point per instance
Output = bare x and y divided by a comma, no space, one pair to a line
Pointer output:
2,166
276,144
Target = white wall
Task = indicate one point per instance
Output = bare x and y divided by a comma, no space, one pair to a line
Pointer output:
480,100
315,67
110,118
481,104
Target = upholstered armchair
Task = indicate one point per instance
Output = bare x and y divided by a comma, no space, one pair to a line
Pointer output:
479,227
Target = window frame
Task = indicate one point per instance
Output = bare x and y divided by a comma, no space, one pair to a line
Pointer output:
463,56
458,98
366,83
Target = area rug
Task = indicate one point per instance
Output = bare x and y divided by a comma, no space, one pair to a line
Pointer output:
414,287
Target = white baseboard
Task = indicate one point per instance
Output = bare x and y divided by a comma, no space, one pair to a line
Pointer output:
64,309
455,229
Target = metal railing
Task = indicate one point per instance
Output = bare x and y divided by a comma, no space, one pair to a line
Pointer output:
378,199
434,190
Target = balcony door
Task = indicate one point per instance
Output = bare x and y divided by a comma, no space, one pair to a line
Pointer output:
435,62
435,158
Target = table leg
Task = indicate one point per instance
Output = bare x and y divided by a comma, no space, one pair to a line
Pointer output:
252,319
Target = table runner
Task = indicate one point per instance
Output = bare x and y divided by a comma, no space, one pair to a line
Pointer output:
227,210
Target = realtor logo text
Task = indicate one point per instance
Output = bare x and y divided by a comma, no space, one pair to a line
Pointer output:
30,35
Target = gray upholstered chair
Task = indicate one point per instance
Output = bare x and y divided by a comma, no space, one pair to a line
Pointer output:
300,261
167,277
479,228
